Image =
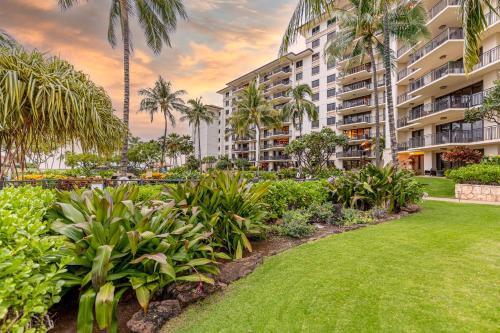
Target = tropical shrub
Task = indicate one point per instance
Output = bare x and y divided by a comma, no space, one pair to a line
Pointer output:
296,224
385,187
30,263
147,193
493,160
230,208
462,156
290,194
351,216
287,173
324,213
476,173
119,245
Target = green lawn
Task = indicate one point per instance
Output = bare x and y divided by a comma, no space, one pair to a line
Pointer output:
437,271
438,186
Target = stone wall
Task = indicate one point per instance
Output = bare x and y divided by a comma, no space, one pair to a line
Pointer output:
488,193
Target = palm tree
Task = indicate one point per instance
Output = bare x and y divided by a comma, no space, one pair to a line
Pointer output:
253,112
299,105
178,145
162,98
195,114
473,24
7,40
404,21
157,19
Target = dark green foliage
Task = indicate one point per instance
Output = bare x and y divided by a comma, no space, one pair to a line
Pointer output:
230,208
192,163
287,173
118,244
352,216
476,173
492,160
290,194
324,213
296,224
371,186
30,262
224,163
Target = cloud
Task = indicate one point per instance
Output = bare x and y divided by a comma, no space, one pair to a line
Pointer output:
222,40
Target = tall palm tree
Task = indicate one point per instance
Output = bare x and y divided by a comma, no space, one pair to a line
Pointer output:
404,21
195,114
157,19
163,99
178,145
358,38
253,112
299,104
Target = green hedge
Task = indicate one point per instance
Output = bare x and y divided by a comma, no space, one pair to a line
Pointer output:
30,261
290,194
476,173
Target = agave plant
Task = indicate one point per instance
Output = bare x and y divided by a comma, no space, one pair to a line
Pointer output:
372,186
116,245
230,207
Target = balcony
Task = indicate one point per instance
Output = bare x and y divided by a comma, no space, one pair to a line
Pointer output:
362,137
281,97
357,121
452,107
445,75
492,23
354,154
460,137
278,86
445,12
280,72
276,133
451,37
275,158
242,149
357,89
360,72
358,105
273,146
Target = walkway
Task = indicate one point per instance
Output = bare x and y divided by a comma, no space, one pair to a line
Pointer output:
463,201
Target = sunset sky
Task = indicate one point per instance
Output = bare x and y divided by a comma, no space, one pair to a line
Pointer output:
222,40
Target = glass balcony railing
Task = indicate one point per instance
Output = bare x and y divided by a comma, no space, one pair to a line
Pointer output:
452,67
359,102
354,153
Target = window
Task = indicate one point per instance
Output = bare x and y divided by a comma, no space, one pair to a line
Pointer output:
227,112
315,97
330,107
315,124
315,83
331,36
330,92
227,147
330,78
315,57
330,64
315,43
299,64
330,121
315,30
227,94
315,70
331,21
227,103
298,76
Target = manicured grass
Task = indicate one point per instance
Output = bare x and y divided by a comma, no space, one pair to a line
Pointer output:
438,186
437,271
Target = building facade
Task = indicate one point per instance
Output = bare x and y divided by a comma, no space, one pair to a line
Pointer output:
431,93
209,134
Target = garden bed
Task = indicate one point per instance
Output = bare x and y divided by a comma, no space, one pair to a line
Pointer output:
179,296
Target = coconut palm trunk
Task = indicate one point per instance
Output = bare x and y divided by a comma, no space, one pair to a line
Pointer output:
164,146
388,88
257,148
199,145
126,82
377,107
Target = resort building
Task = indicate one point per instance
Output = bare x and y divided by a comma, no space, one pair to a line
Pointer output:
209,134
430,91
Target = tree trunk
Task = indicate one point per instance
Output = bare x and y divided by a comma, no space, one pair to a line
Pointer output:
300,132
377,109
388,88
199,146
126,82
257,148
164,145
